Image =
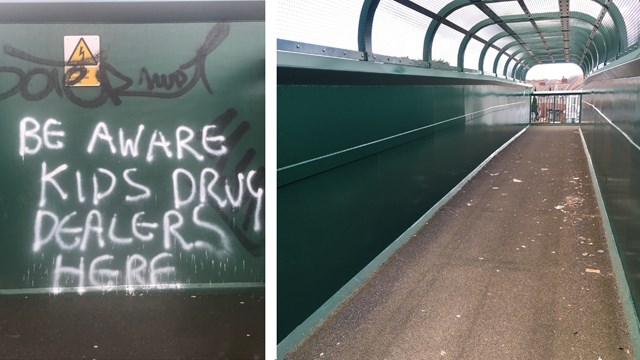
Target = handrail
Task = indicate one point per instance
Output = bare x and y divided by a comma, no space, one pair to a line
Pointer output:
556,107
551,93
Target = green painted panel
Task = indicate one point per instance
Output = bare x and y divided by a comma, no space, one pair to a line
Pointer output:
611,127
353,173
154,179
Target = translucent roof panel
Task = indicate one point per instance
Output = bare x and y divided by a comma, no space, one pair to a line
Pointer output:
398,31
523,27
630,10
489,58
504,41
446,44
331,23
543,6
510,68
472,54
490,31
607,22
399,28
514,50
575,23
501,62
590,8
467,16
432,5
506,8
552,26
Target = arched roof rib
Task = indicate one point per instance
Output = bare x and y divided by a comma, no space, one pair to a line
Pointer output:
619,38
589,33
515,44
365,25
514,19
579,37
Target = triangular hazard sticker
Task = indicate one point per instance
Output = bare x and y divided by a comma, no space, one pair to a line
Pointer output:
81,55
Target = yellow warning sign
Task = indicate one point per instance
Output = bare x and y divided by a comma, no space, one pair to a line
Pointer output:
82,55
81,75
82,60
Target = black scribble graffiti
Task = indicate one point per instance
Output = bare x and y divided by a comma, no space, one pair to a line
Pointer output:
241,229
163,81
171,86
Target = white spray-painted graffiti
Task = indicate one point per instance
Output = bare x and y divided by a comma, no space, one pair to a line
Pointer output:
102,237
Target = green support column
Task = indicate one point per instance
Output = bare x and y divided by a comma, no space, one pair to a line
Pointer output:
365,26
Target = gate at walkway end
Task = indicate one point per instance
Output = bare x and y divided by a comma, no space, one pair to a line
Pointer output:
555,107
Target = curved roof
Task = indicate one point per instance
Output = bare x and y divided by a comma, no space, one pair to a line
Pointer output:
497,37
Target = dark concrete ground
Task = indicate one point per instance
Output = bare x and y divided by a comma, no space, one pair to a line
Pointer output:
515,266
160,325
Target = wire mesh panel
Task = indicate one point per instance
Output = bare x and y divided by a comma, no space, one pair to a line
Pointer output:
467,16
542,6
324,22
523,27
445,46
506,8
490,31
607,22
432,5
630,10
518,56
579,24
590,8
489,58
550,27
504,41
501,63
472,54
510,68
398,31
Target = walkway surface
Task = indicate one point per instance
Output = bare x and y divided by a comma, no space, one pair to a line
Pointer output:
515,266
145,325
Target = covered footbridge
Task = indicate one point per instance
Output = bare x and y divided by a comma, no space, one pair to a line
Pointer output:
423,212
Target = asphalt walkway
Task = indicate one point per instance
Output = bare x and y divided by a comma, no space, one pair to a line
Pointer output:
515,266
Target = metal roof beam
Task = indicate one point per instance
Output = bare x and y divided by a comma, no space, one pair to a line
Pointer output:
609,39
498,20
520,18
535,26
439,20
514,44
564,19
603,12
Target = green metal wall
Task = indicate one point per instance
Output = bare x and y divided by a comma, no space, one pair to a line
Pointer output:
145,92
362,155
611,128
73,223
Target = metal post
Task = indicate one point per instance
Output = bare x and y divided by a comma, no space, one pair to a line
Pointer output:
580,112
553,110
530,107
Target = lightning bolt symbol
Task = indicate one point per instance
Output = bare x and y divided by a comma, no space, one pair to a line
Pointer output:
82,52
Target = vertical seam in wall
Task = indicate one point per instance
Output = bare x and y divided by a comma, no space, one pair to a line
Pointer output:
305,329
629,311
